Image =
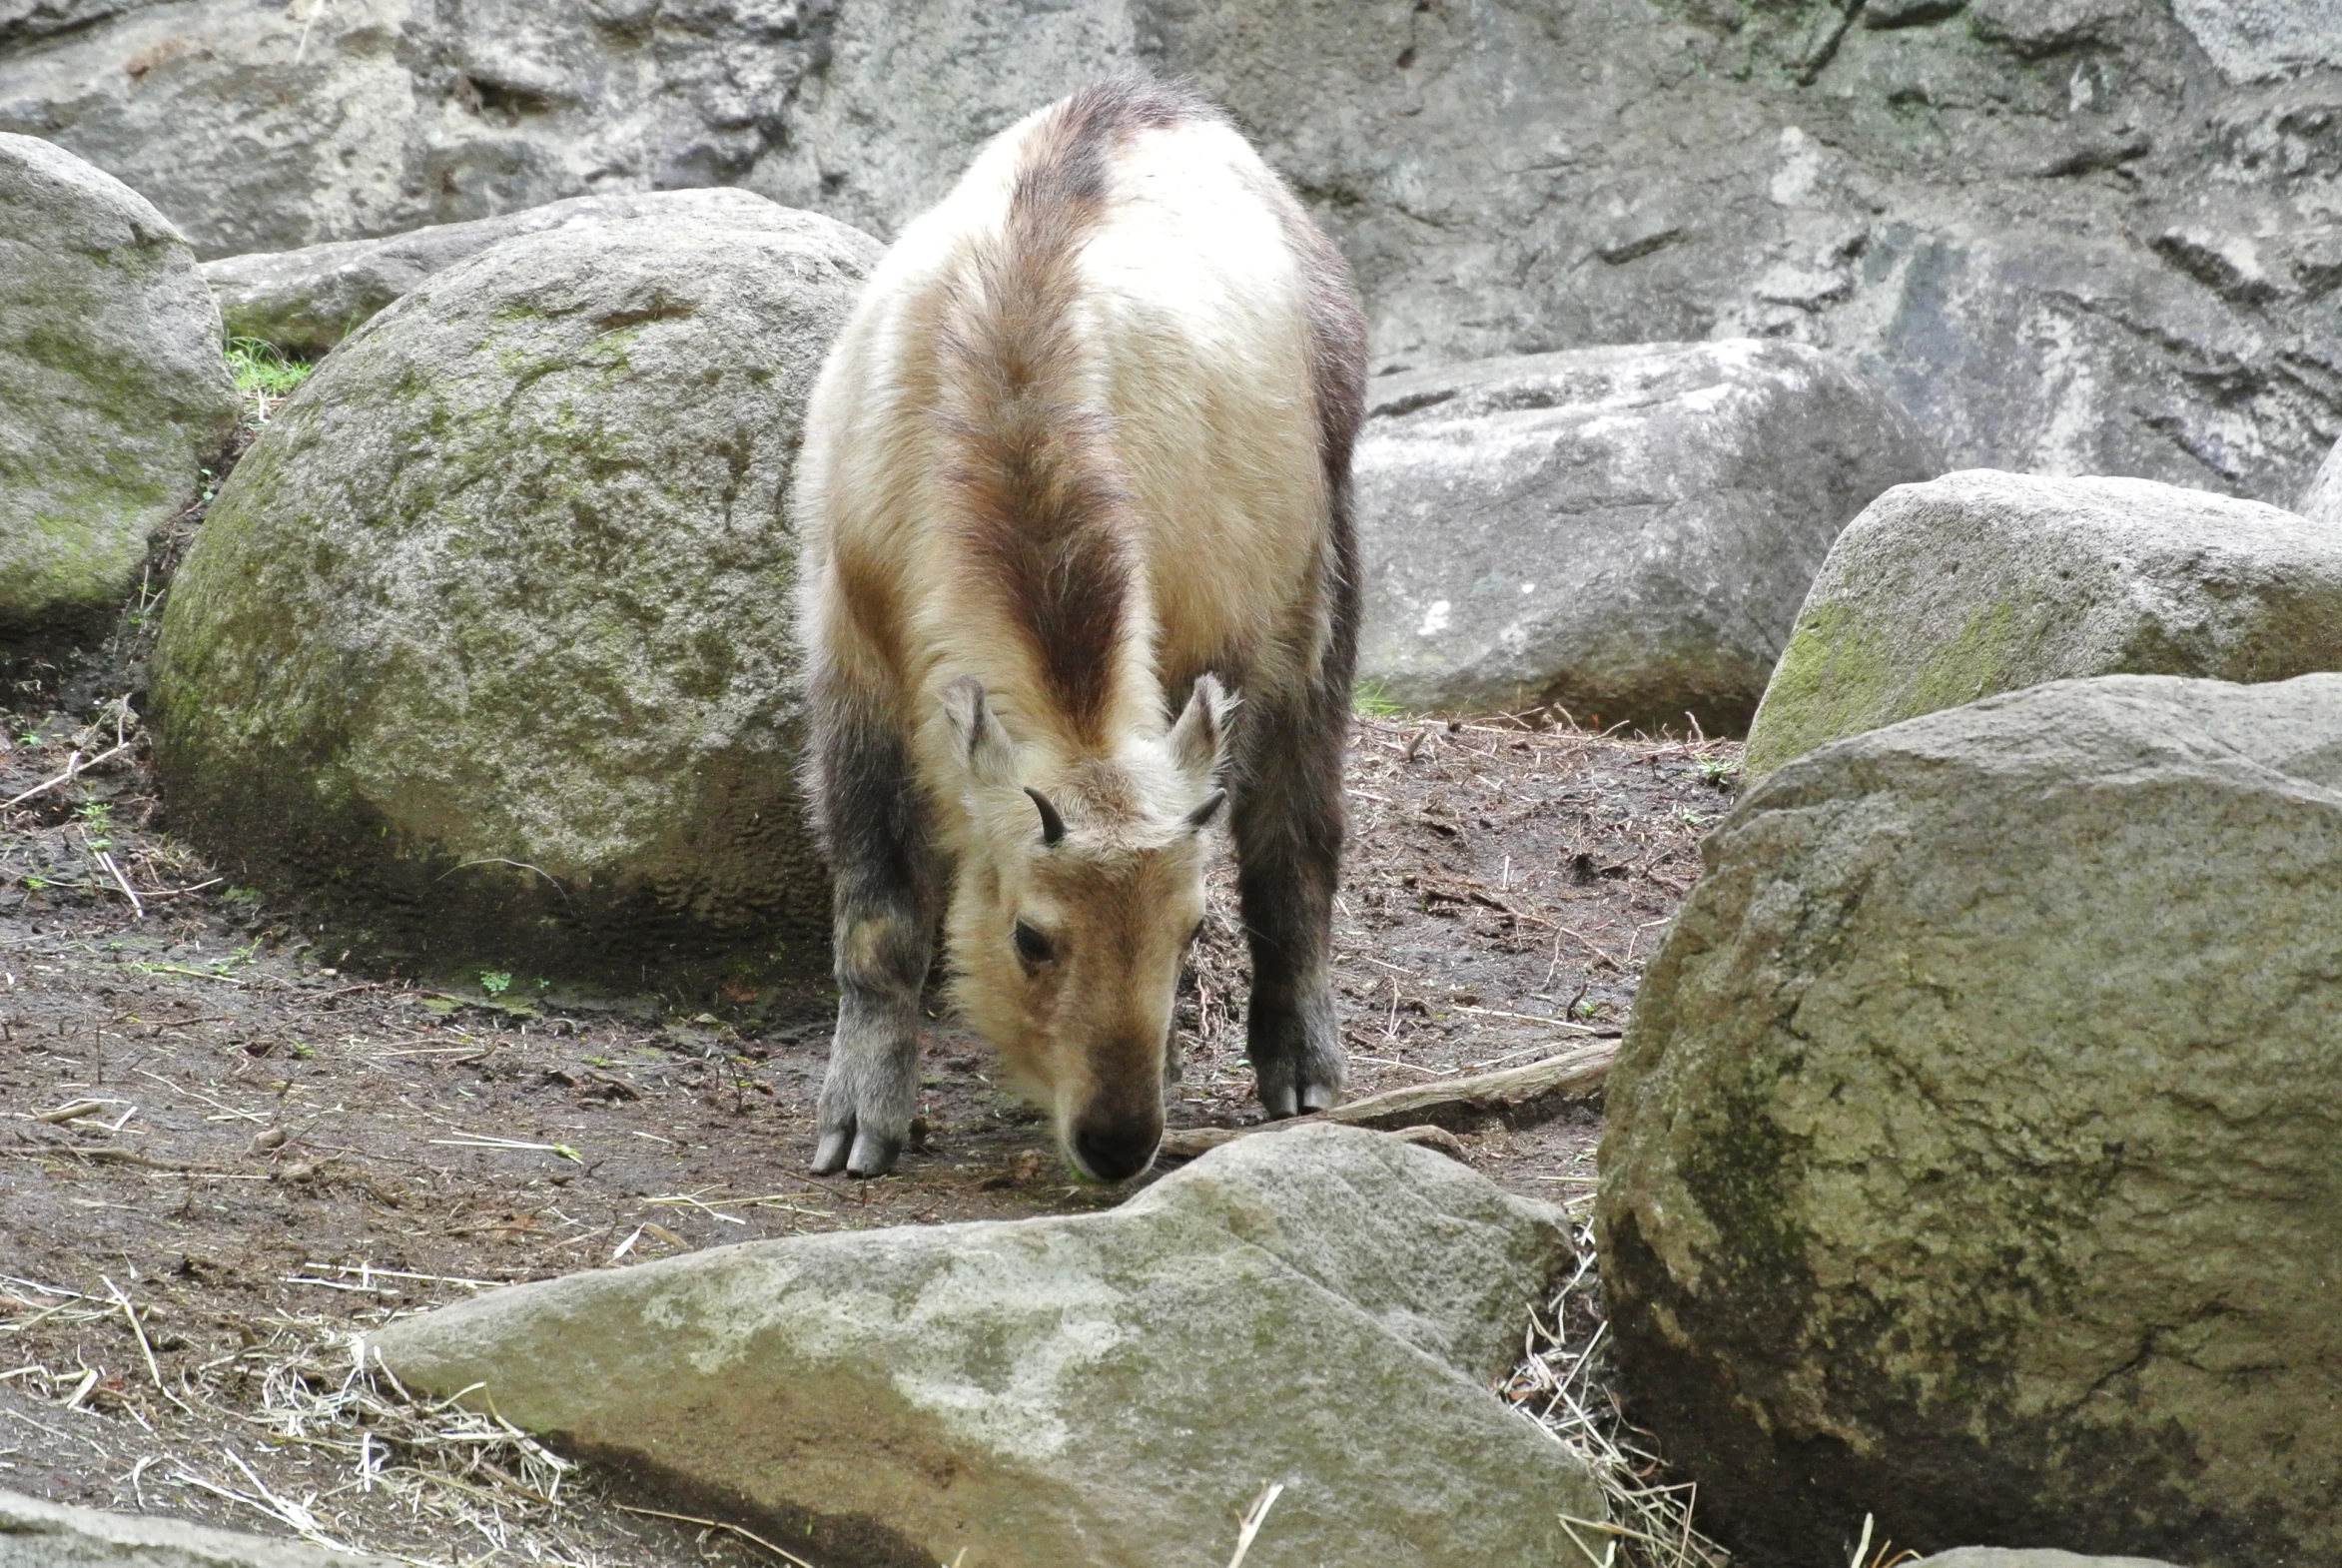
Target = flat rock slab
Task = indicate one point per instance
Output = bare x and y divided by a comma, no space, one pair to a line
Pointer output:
1626,532
488,638
35,1534
1982,582
113,390
1327,1308
308,300
2007,1557
1971,1154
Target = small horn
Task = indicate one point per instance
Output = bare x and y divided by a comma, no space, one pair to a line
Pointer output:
1200,817
1052,826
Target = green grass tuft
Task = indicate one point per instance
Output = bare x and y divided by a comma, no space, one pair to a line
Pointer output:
1373,698
263,368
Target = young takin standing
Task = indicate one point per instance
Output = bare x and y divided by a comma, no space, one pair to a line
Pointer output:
1075,477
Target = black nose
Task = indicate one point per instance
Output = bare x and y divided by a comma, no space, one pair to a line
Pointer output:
1116,1151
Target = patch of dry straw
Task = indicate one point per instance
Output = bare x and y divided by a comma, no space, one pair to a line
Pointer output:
1564,1383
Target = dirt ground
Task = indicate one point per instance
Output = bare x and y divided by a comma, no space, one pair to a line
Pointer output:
225,1145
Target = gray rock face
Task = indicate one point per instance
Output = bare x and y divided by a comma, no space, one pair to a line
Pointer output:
2003,1557
2323,501
1325,1308
2088,237
1982,583
35,1534
113,391
308,300
489,634
1626,532
1971,1151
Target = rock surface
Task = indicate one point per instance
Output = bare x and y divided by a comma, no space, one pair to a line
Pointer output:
1326,1308
2004,1557
2323,501
2087,237
308,300
489,632
1982,583
1626,532
35,1534
1970,1153
113,391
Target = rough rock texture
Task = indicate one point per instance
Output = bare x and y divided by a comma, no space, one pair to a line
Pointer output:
308,300
1626,532
1325,1308
489,632
35,1534
113,391
2323,501
2071,235
1971,1151
2003,1557
1980,583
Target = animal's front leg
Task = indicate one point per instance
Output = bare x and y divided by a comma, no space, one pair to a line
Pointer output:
873,1082
875,829
1288,831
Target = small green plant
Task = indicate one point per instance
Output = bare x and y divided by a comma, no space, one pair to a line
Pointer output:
303,1051
1373,698
28,738
240,896
37,884
543,983
262,367
1717,770
496,981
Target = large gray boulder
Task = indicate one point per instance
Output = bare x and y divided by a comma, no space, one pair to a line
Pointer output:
35,1534
1326,1308
488,636
308,300
2088,237
1971,1152
1982,582
113,391
1626,532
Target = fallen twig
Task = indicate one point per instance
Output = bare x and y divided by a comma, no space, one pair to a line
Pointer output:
1515,1094
74,768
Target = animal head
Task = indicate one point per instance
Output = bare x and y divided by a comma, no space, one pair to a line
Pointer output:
1071,910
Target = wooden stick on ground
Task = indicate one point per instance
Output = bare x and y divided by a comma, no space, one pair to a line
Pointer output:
1520,1095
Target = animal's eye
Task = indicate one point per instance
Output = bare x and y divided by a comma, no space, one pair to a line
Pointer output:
1032,946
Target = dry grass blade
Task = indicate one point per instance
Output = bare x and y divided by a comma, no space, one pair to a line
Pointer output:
1255,1517
717,1524
1564,1383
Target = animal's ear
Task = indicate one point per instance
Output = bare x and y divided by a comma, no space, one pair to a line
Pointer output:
1200,817
1198,741
984,745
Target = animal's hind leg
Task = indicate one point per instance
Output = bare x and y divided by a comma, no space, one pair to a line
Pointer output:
882,928
1287,822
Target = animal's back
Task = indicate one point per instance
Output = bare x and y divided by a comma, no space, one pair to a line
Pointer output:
1076,440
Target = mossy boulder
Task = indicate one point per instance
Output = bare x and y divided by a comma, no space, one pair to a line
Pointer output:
1626,530
1326,1310
113,390
1971,1151
1982,582
488,641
